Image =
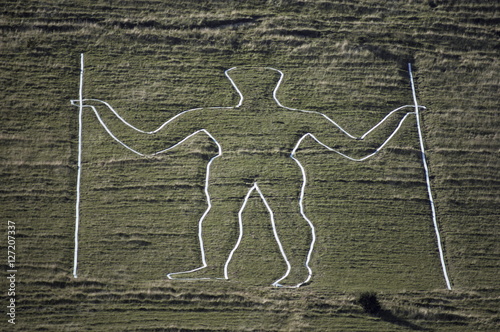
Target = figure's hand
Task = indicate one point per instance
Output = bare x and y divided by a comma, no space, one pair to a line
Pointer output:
420,108
75,102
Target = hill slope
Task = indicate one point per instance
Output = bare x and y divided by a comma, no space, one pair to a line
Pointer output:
152,60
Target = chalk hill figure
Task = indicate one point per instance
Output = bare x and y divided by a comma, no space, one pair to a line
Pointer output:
257,142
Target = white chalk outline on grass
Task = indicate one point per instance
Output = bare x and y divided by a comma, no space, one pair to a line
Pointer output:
428,181
79,168
255,185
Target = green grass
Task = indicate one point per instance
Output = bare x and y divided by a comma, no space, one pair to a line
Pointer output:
151,60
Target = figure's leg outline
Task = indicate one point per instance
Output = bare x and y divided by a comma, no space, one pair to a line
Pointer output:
301,206
286,212
200,231
311,225
240,225
276,236
200,223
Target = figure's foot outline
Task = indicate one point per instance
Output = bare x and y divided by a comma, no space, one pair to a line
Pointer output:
294,278
201,273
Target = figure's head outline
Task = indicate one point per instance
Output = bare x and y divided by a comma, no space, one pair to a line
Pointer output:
282,75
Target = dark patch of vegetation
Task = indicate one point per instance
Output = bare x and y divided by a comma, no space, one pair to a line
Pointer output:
370,303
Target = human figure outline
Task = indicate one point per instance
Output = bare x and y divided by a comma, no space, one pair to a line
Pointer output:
272,145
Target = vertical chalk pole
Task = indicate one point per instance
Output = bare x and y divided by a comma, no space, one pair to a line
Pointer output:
79,170
428,181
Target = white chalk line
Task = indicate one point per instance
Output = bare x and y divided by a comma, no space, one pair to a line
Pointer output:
79,167
255,186
428,182
240,237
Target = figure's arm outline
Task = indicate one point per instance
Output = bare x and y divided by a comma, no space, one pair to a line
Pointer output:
362,137
79,104
74,102
275,91
282,75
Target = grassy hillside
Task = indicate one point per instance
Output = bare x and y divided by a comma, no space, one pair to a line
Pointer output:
154,59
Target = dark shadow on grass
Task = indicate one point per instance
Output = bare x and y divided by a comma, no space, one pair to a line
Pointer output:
371,305
388,316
